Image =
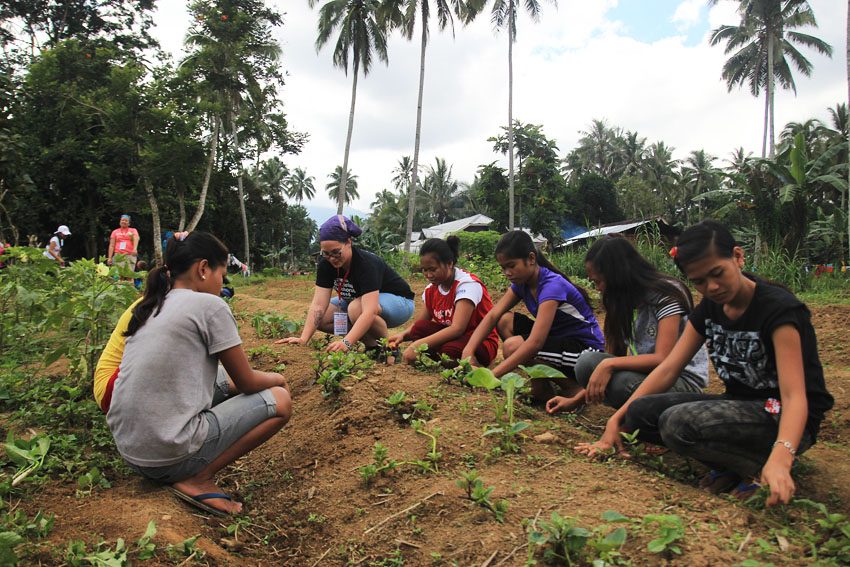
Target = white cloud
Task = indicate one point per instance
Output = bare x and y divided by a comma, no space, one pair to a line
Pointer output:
687,14
574,65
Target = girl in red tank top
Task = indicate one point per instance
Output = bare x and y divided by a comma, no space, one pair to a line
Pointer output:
455,303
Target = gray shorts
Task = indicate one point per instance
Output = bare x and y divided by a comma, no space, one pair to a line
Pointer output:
229,420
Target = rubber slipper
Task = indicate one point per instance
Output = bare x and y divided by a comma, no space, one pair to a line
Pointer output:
718,482
198,501
745,490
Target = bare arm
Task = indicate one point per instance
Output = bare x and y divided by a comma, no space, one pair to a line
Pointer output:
135,241
370,305
111,249
404,335
321,300
668,332
530,347
489,322
247,380
464,309
55,252
776,472
659,380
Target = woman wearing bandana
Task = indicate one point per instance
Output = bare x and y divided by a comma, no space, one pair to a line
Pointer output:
357,296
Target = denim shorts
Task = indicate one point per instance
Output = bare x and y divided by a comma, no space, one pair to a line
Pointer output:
228,422
395,309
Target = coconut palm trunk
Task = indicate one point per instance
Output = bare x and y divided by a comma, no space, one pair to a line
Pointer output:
240,191
202,199
343,176
848,130
414,178
770,88
511,120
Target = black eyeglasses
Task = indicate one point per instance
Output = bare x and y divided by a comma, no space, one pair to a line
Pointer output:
332,254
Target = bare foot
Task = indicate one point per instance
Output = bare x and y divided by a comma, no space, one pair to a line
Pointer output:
192,487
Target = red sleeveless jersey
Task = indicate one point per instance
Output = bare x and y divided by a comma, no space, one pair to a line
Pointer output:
442,305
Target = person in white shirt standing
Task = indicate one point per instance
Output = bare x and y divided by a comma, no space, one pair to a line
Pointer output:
53,250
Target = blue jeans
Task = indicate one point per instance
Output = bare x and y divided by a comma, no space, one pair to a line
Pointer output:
395,310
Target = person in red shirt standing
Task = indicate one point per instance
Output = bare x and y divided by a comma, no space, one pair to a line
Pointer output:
455,303
123,245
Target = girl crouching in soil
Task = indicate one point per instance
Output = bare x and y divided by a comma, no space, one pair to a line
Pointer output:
645,313
563,326
455,303
174,414
761,341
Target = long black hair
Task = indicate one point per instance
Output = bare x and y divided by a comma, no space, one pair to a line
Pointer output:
446,251
517,245
628,279
180,255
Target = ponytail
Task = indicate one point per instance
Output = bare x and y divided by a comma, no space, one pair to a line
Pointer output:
447,251
180,256
517,245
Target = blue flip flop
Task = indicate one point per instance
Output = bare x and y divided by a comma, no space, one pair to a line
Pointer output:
745,490
198,501
718,482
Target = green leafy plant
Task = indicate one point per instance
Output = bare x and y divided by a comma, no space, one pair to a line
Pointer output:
145,548
77,554
832,538
258,351
480,494
90,480
669,531
433,457
507,428
561,541
28,455
406,409
381,463
457,373
274,326
188,549
424,361
332,368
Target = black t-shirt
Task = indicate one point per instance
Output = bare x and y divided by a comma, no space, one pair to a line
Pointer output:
368,273
742,350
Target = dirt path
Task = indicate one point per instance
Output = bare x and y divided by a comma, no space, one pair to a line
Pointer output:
307,504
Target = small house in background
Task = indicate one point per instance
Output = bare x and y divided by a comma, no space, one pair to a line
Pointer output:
475,223
629,229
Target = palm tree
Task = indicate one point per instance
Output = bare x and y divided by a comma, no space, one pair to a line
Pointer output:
299,185
699,175
402,173
403,13
234,53
761,43
338,177
504,13
361,33
442,191
273,173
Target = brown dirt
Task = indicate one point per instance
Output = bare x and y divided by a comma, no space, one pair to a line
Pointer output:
307,504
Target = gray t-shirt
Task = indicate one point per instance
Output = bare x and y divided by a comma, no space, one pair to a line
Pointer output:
167,377
655,308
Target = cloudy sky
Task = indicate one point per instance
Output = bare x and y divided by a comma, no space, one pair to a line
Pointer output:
643,65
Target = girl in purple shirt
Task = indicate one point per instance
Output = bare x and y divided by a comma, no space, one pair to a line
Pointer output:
563,326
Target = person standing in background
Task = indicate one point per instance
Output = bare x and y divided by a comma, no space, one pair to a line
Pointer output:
53,250
123,245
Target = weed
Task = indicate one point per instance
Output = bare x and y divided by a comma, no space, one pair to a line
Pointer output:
561,541
480,494
394,559
832,539
316,518
16,529
273,326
